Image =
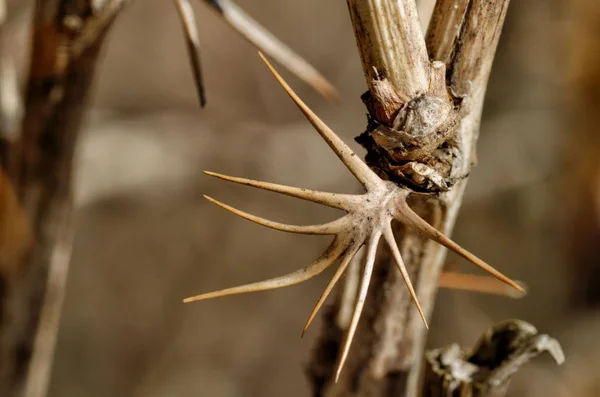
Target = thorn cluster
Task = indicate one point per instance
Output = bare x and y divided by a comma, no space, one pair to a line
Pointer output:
368,219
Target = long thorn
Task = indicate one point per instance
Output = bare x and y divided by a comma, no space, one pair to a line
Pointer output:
410,218
334,200
325,260
333,227
388,235
192,41
474,283
361,171
269,44
352,250
360,301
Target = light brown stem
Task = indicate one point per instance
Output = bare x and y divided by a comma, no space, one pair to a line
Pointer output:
391,45
390,341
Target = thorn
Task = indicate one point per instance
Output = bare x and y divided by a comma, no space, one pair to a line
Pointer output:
388,235
328,228
482,284
352,250
359,169
334,200
410,218
325,260
360,301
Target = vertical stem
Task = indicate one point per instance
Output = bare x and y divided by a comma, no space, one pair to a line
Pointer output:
39,166
388,349
391,45
446,21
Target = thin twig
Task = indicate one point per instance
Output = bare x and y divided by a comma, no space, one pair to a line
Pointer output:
44,345
272,46
192,41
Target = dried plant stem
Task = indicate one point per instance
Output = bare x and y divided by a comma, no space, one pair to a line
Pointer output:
67,38
486,370
389,345
391,45
266,42
192,41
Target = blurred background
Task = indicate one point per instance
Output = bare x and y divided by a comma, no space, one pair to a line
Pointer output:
146,238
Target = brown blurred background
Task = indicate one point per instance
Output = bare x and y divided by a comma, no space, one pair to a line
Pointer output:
146,238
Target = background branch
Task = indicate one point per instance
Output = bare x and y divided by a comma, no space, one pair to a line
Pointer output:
486,371
264,40
67,38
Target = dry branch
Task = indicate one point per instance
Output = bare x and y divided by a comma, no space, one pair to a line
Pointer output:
192,41
486,371
67,39
584,153
429,148
266,42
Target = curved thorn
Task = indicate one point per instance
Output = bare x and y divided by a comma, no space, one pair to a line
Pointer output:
334,200
335,249
360,301
333,227
388,235
359,169
482,284
407,216
347,258
271,45
192,41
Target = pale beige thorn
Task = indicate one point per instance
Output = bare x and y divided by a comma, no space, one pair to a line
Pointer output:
388,235
410,218
361,171
333,227
335,249
482,284
192,40
360,301
347,258
334,200
269,44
